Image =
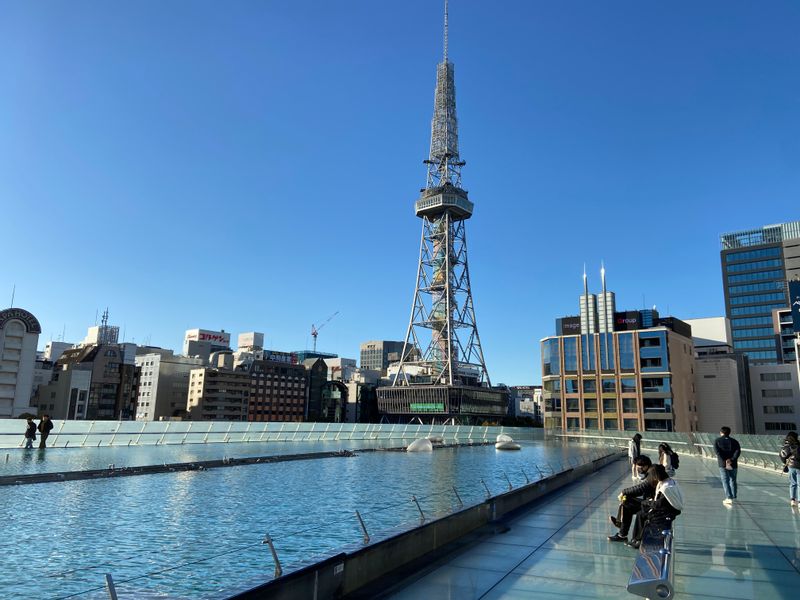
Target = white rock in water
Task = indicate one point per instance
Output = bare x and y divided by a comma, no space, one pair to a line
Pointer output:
504,438
420,445
436,439
510,445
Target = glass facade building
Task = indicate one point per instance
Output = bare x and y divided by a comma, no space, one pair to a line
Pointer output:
756,265
639,380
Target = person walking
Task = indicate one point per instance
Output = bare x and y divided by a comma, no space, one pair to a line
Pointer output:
45,427
634,452
632,498
665,453
790,455
727,450
30,434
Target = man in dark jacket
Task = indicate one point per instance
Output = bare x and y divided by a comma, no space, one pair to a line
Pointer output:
30,434
45,426
631,499
790,455
727,450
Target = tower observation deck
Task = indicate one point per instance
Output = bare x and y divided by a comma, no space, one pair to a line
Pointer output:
442,374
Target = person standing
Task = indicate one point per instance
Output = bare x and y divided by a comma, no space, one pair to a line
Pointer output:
634,452
790,455
727,450
665,458
45,426
30,434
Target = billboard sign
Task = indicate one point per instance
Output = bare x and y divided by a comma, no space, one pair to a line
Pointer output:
794,304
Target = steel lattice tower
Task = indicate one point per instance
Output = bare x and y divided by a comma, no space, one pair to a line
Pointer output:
442,340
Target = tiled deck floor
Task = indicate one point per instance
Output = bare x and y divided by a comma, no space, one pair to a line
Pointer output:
558,549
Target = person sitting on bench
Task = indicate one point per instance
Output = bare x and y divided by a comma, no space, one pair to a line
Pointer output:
631,499
659,513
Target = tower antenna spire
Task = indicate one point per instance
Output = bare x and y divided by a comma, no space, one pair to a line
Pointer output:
445,31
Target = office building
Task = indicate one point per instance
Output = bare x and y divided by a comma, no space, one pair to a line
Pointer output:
252,341
756,265
278,391
203,342
721,378
638,377
218,394
163,384
54,350
19,338
527,401
776,398
783,329
377,355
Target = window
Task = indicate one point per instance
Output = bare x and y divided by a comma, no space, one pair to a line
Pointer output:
591,423
609,405
757,276
571,386
630,424
754,344
780,426
606,351
759,264
651,363
627,384
776,393
776,376
589,386
610,424
757,332
625,341
573,423
767,286
648,342
751,254
764,355
629,405
779,410
751,321
757,298
570,354
590,405
573,405
658,405
552,385
754,310
550,357
656,384
609,386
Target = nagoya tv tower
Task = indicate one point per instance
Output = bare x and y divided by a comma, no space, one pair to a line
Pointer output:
442,374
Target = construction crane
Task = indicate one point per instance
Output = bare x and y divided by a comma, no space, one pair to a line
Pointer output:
315,330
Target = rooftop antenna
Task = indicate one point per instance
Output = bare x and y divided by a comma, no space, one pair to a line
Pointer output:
445,31
603,276
14,288
95,316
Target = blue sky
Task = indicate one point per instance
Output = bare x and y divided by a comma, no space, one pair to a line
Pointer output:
253,165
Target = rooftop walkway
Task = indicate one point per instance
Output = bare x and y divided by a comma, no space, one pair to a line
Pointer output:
558,549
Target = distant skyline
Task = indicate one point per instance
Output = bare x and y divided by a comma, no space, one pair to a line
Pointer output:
252,166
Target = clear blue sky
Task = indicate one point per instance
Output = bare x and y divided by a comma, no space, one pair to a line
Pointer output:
253,165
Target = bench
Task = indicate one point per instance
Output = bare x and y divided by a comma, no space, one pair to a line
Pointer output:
653,571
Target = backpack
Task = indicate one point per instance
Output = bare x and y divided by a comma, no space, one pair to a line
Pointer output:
676,462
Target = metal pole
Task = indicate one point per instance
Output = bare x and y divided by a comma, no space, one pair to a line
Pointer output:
526,476
488,493
421,514
363,528
268,540
455,491
510,487
112,591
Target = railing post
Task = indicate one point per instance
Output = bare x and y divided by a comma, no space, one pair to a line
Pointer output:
455,491
268,540
419,508
486,487
526,476
510,487
110,589
363,528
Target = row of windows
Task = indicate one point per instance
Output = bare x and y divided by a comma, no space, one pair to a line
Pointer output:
608,424
754,310
753,344
749,333
759,264
780,426
762,355
779,410
747,321
767,286
784,393
751,254
776,376
757,276
757,298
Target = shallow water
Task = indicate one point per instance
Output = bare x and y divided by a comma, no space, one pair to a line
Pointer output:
206,527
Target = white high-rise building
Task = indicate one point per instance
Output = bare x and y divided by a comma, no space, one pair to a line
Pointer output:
19,338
